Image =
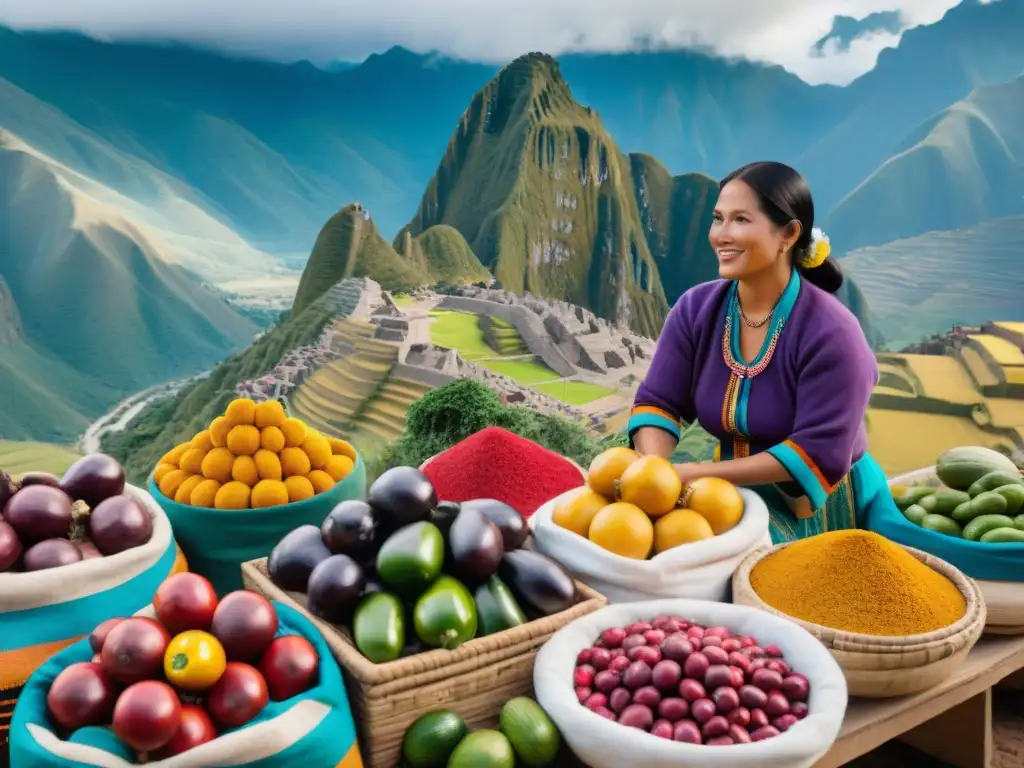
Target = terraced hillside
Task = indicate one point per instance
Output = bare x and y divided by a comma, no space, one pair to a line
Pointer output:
17,457
502,336
382,418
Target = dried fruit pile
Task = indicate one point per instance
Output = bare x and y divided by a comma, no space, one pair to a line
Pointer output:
684,682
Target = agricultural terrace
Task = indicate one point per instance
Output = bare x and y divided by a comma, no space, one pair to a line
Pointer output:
496,345
18,457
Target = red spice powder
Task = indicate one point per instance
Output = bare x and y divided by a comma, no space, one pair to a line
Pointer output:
497,464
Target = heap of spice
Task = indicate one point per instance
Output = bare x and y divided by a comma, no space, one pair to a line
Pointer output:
497,464
857,581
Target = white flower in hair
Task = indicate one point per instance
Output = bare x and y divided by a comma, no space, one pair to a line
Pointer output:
818,251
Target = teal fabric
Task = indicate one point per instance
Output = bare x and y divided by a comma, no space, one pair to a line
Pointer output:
217,541
74,618
850,505
640,420
324,746
993,562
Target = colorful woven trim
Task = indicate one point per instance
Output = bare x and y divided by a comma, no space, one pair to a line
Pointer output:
652,416
804,471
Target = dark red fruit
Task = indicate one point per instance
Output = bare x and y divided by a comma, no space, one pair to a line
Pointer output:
239,695
289,666
147,715
185,601
245,623
134,650
81,695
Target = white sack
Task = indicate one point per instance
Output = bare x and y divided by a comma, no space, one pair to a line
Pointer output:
601,743
701,570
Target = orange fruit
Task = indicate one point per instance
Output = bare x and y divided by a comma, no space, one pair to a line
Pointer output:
652,484
241,411
576,510
623,529
716,500
680,526
607,467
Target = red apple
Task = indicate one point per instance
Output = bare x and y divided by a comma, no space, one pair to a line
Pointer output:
239,695
196,728
245,623
100,633
134,650
82,694
289,666
185,601
147,715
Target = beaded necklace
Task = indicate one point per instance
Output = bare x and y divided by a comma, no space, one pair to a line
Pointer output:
742,370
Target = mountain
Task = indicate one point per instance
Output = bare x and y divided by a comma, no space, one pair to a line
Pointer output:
94,302
924,285
547,202
961,167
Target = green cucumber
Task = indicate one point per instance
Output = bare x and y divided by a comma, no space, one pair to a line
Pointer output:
914,513
483,749
534,737
497,607
411,558
985,503
960,468
1003,536
964,513
430,741
943,502
994,480
1018,522
378,627
1014,495
445,615
979,526
941,524
912,496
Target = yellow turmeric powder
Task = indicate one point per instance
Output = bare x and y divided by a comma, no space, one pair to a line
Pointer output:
857,581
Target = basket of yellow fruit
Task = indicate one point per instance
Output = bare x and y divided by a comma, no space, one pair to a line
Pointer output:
238,486
632,532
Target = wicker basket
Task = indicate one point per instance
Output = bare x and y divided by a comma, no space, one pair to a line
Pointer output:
876,666
475,680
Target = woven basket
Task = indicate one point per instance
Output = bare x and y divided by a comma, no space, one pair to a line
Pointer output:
878,666
474,680
1004,600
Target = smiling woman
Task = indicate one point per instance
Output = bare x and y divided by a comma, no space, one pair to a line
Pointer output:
769,362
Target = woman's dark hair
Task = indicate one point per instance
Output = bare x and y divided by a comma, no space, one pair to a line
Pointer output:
784,197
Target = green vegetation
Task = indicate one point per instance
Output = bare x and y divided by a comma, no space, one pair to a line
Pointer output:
461,331
528,372
502,336
443,253
174,419
575,392
17,457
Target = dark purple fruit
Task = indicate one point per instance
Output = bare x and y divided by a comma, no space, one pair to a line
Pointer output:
402,496
39,512
513,527
10,546
476,546
119,523
335,586
93,479
6,489
52,553
39,478
296,555
351,529
539,583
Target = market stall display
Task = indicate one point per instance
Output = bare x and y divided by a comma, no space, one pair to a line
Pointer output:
897,620
658,544
195,681
708,675
421,601
74,551
525,736
252,475
497,464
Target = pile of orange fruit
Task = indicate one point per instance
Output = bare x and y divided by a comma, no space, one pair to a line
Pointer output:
253,456
631,506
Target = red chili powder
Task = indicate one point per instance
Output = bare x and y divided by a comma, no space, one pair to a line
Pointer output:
497,464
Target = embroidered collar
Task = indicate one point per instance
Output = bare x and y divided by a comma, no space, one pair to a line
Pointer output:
731,352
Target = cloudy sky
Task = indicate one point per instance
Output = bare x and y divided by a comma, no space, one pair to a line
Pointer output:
779,31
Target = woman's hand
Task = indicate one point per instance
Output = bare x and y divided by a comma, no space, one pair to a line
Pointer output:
690,472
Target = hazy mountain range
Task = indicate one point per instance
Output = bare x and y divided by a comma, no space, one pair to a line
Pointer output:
151,196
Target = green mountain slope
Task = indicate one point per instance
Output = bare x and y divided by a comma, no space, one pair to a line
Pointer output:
924,285
443,254
544,198
96,306
959,168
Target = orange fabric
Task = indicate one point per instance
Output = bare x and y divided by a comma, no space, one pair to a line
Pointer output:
180,563
17,666
811,466
353,759
637,409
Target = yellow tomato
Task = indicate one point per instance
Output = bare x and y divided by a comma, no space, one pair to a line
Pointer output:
194,660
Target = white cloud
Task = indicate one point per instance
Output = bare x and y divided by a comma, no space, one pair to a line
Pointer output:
776,31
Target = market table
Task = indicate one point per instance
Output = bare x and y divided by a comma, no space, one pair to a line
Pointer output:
952,721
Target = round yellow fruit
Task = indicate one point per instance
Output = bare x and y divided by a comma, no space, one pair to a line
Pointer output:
269,413
272,439
680,526
202,441
320,480
652,484
204,494
341,447
170,482
244,470
268,465
192,461
244,440
217,465
233,495
299,488
269,493
716,500
219,429
576,510
160,471
294,432
173,456
295,462
339,467
606,469
623,529
241,411
318,450
184,493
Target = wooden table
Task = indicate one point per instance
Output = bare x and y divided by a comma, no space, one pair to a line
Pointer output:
952,721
